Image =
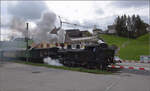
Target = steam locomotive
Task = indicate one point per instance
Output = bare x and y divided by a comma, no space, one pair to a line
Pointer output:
96,56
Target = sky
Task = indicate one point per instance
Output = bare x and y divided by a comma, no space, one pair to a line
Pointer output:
84,13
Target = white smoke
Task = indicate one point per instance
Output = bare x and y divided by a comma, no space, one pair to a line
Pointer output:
53,38
61,36
44,26
50,61
18,27
41,33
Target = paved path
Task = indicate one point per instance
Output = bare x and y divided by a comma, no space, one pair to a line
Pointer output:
19,77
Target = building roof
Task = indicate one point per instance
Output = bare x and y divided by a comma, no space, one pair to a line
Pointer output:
99,30
82,38
111,29
85,33
111,26
74,33
54,31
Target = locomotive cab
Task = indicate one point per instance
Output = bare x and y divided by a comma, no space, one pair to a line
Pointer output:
91,47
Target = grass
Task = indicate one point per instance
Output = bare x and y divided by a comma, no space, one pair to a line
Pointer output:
136,48
94,71
133,49
113,39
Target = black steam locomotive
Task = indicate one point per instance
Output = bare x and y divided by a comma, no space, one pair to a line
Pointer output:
96,56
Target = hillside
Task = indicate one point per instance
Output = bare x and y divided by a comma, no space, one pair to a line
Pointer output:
130,49
113,39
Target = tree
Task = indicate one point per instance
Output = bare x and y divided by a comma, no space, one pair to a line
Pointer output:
131,27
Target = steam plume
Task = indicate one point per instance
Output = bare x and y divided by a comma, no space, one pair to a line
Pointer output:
41,33
18,26
44,26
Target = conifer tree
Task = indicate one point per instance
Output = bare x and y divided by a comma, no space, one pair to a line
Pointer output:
131,27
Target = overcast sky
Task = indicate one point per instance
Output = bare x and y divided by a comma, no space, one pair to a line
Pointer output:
87,13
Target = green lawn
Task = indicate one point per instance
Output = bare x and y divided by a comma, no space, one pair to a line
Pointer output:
133,49
113,39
